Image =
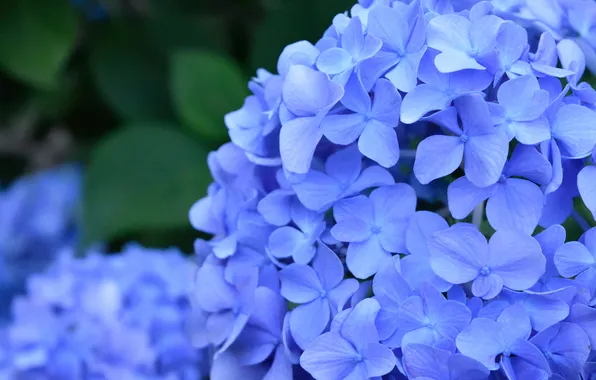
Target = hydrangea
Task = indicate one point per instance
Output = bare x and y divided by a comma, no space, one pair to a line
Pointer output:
391,203
125,316
37,219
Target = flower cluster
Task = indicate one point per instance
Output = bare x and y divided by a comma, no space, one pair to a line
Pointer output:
37,219
341,248
116,317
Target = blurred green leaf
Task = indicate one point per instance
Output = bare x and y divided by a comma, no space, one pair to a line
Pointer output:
36,39
293,20
205,86
145,176
129,74
172,28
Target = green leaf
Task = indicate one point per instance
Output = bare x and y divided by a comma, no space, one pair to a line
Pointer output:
36,39
293,20
143,177
206,86
129,74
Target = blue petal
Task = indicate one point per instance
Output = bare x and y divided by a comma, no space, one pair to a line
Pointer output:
289,242
585,317
359,326
463,197
307,92
485,157
379,143
366,258
516,204
586,183
487,287
214,293
574,129
343,129
330,356
275,207
457,254
354,217
298,141
356,98
309,320
300,283
529,362
393,206
339,295
334,61
379,359
317,191
515,324
423,361
421,226
527,162
517,258
328,267
523,99
566,347
481,341
573,258
462,367
437,156
422,100
390,26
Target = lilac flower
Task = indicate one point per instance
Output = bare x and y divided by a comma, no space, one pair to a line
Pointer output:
403,48
462,42
355,48
343,177
566,348
513,203
482,147
578,260
416,267
319,290
504,340
308,96
428,318
461,254
372,123
353,351
439,90
298,242
520,111
375,226
427,362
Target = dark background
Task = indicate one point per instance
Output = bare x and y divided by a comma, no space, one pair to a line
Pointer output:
136,91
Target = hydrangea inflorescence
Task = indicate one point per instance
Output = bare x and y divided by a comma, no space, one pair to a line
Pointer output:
37,219
320,265
125,317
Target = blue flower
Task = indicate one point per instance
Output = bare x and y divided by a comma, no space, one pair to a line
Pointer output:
426,362
428,318
343,177
352,351
575,259
504,340
403,47
520,111
482,147
372,122
375,226
566,348
439,90
320,290
513,203
511,259
355,48
298,242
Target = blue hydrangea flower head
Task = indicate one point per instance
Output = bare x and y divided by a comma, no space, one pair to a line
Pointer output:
401,200
38,215
120,316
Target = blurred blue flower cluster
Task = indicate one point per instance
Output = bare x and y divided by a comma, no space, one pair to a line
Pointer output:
38,217
326,264
113,317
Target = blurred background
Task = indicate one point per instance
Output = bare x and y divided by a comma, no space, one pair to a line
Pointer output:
133,92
